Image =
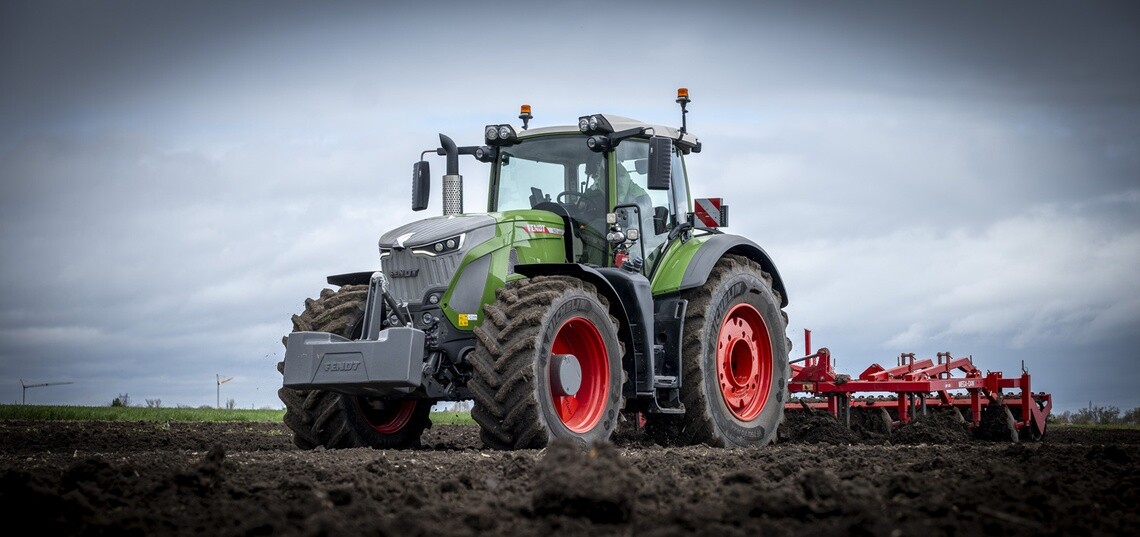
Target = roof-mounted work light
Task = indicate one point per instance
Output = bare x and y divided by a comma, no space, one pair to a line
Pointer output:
500,134
595,124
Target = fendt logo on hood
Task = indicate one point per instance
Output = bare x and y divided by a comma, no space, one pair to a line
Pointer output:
408,273
543,229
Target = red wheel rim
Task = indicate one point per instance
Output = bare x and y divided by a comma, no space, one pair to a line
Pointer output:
744,362
391,419
583,410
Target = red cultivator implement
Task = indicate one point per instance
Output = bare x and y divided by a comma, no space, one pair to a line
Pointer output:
894,396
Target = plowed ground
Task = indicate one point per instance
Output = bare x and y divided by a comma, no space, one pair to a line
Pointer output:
118,478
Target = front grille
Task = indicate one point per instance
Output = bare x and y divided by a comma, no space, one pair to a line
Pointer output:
430,272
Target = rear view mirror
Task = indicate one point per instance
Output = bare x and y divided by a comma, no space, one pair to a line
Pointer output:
421,185
660,220
625,216
660,161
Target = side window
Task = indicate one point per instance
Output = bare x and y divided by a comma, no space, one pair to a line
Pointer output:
682,195
650,217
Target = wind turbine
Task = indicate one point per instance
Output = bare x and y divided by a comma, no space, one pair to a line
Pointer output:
24,394
218,403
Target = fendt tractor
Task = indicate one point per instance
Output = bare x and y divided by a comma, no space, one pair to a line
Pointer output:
592,291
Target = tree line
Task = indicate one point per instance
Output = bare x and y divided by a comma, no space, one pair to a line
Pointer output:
1098,415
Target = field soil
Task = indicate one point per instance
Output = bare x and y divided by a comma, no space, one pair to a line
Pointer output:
144,478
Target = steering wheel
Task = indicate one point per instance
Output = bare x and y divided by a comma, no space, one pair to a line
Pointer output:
582,202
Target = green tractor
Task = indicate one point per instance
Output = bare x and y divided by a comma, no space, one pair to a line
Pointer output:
593,293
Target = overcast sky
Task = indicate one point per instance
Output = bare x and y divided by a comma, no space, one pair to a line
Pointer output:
179,176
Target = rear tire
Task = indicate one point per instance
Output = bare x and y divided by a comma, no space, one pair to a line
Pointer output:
516,389
328,419
734,362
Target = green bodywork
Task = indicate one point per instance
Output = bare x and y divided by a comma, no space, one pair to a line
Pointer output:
667,278
535,236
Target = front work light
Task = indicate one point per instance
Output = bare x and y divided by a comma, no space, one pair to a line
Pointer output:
598,143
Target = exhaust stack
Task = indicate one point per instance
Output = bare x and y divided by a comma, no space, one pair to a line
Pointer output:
452,181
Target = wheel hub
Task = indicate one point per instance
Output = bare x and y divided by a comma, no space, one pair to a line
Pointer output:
565,374
744,362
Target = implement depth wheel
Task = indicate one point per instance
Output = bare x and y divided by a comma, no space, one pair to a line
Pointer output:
547,365
735,361
321,418
1035,432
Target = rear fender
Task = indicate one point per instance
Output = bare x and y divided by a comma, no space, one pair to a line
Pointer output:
688,265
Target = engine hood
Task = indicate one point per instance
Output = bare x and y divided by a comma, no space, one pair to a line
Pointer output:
426,232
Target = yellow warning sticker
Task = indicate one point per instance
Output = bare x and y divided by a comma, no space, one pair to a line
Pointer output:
465,319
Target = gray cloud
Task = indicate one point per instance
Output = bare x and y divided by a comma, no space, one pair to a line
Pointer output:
179,177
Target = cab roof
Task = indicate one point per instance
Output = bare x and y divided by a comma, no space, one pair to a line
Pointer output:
619,123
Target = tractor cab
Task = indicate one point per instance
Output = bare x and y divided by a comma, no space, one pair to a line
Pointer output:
602,190
619,185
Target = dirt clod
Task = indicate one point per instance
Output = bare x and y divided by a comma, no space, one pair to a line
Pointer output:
593,483
815,428
933,428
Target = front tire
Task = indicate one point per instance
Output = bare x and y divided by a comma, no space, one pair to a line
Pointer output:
734,361
332,420
547,365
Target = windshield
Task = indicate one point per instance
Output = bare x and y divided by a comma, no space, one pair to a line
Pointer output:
542,169
562,175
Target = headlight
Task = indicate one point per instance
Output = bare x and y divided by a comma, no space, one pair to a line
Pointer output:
445,246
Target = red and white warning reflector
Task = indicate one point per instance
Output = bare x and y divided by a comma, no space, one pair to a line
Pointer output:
711,212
